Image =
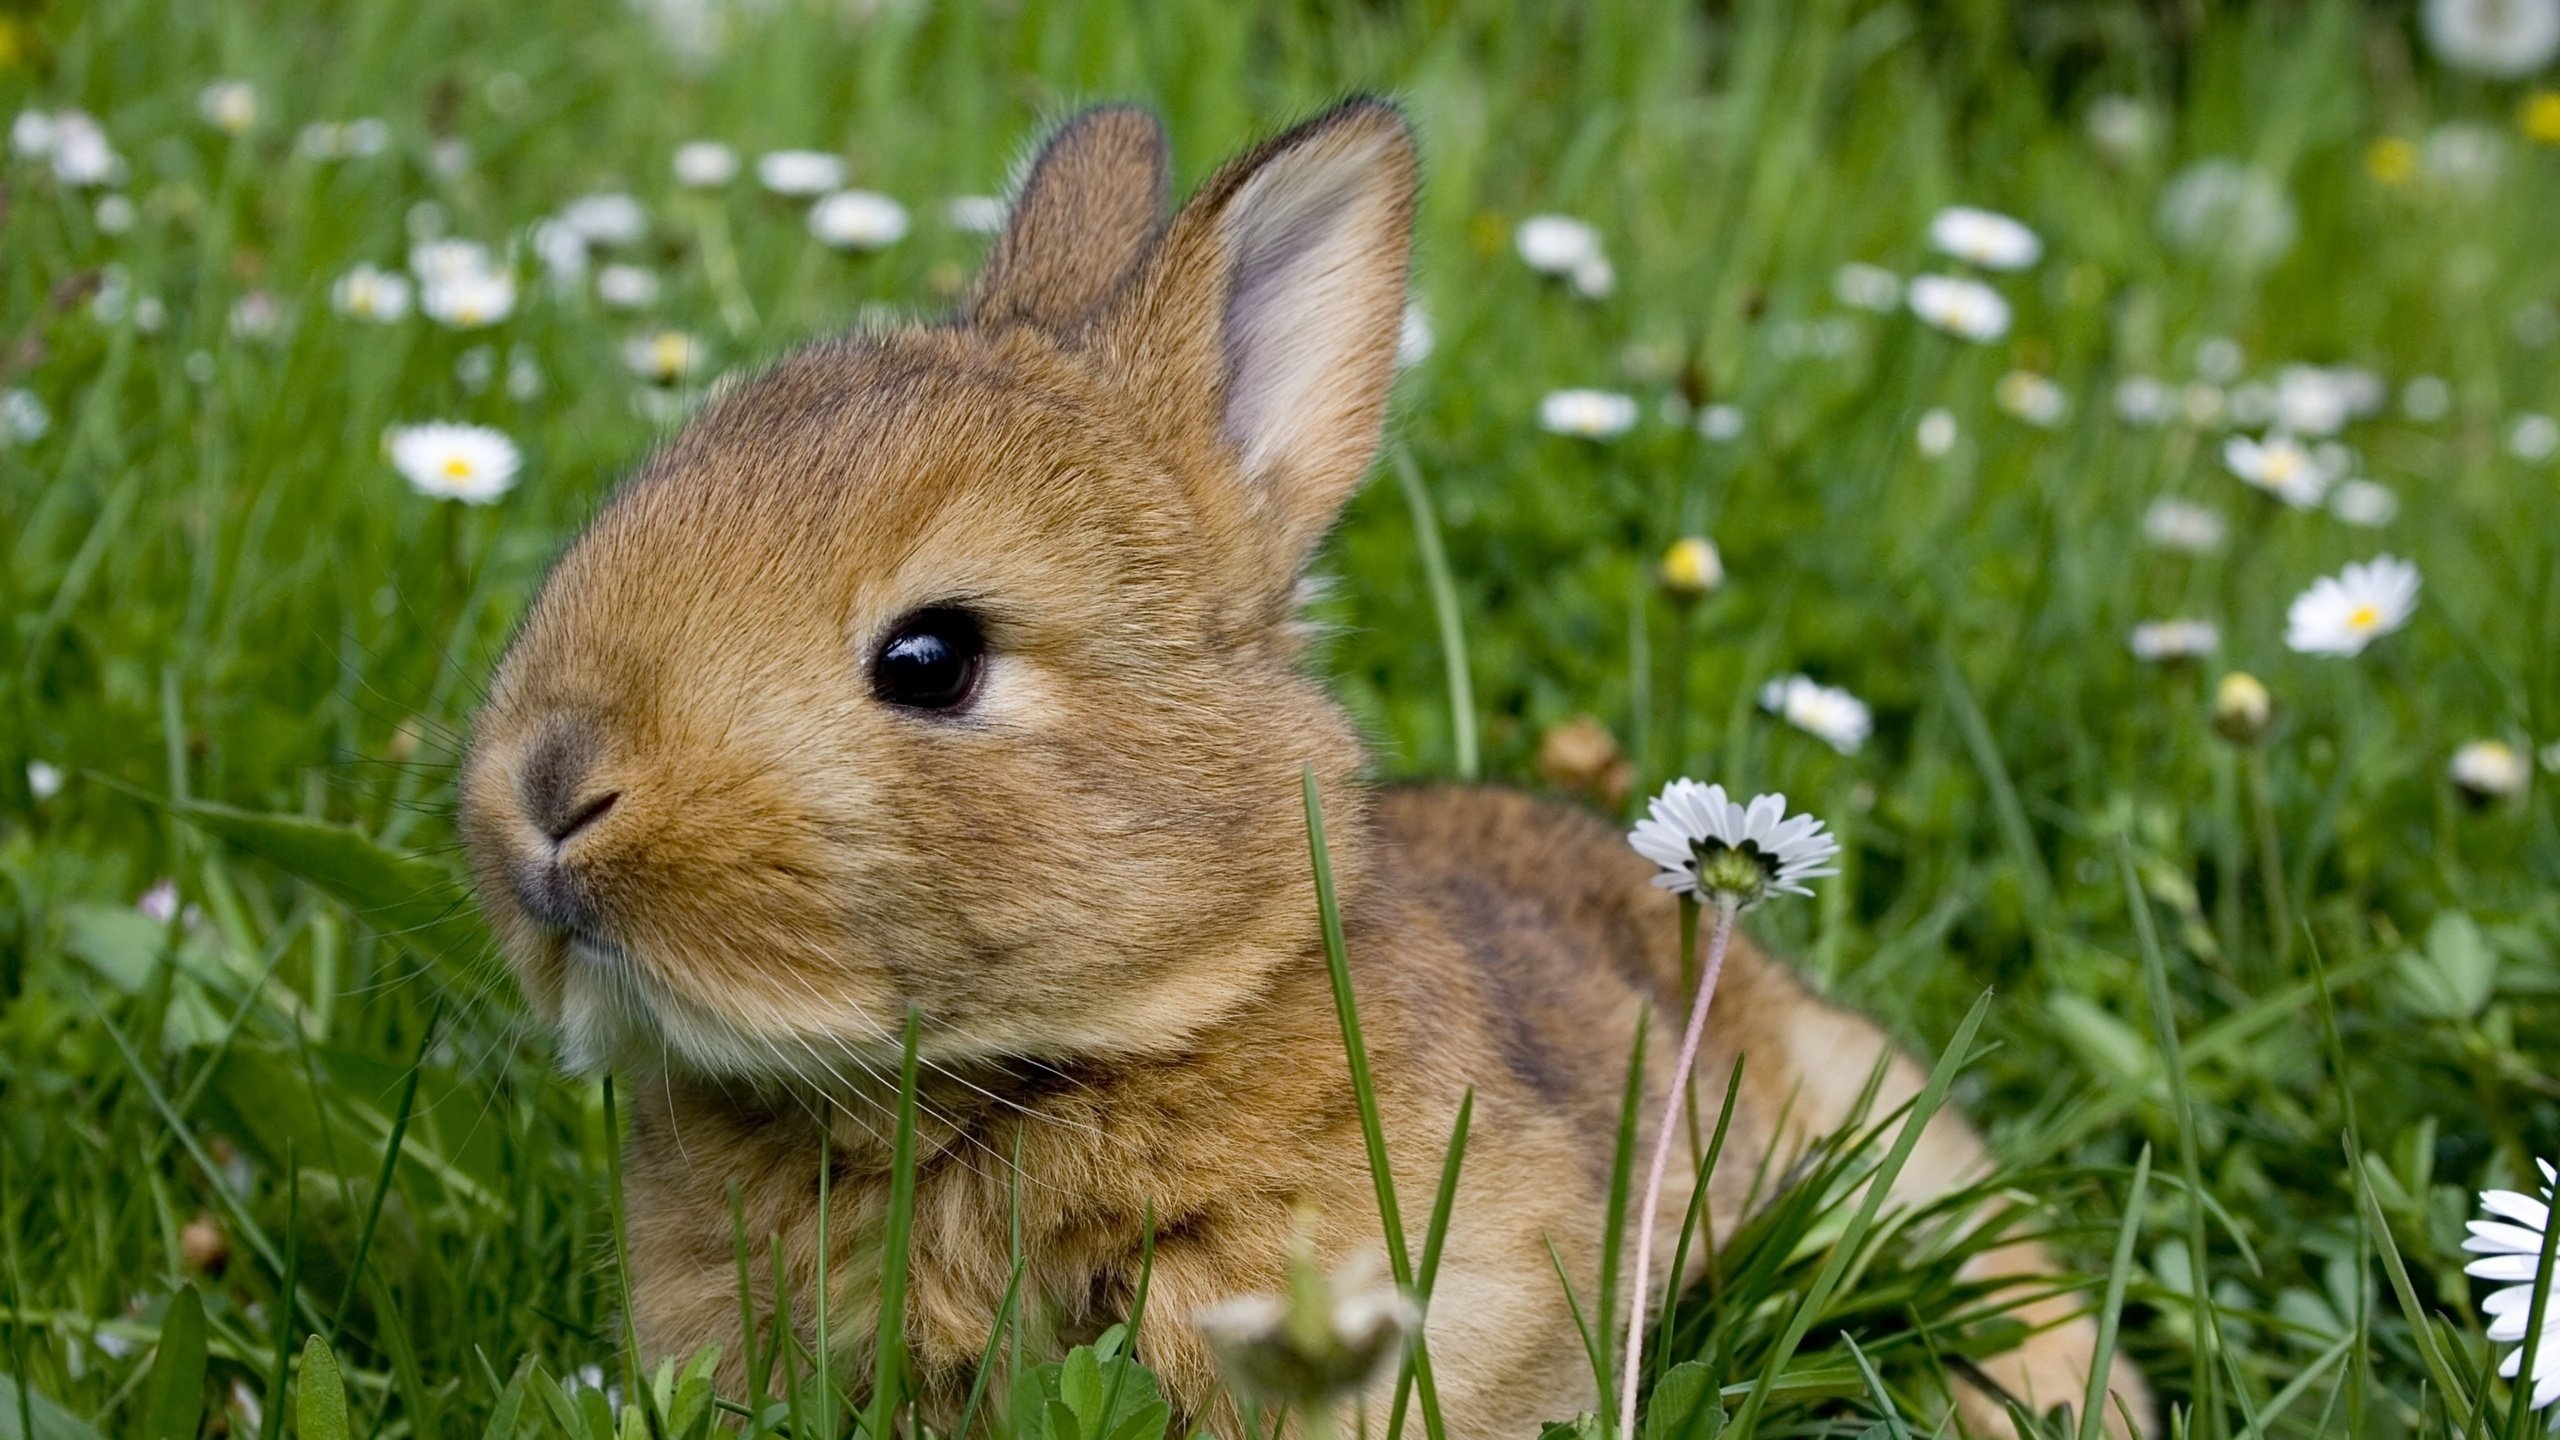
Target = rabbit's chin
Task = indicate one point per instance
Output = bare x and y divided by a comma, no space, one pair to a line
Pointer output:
614,1016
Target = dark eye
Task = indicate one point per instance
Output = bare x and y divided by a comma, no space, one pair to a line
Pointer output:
931,661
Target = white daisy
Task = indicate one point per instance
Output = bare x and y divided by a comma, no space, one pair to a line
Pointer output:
229,105
2220,359
437,260
2364,502
2142,400
2465,156
2341,614
31,135
1985,238
2201,403
1414,337
2427,399
2491,770
1594,279
2167,640
2313,400
1965,308
612,218
2510,1245
799,172
1557,244
44,779
2280,466
1936,433
1720,423
974,214
1587,414
858,220
1826,712
705,164
2033,398
82,154
1710,847
2506,39
662,357
1867,287
116,214
1324,1338
23,418
1691,568
2533,438
627,287
470,301
470,463
562,251
2220,209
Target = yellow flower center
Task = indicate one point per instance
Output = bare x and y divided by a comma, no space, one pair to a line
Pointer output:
2541,118
2363,617
2280,466
457,468
2391,160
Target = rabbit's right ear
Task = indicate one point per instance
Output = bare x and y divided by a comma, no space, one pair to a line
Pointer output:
1089,210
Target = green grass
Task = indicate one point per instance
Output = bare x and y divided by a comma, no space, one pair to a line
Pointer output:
253,651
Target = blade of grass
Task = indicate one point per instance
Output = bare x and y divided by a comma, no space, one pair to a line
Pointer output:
889,1372
2093,1401
1364,1089
635,1381
1446,610
1843,1251
1442,1204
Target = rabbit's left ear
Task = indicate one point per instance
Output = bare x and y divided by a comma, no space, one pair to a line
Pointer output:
1266,322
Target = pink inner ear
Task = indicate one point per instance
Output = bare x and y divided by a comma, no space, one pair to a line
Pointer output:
1316,249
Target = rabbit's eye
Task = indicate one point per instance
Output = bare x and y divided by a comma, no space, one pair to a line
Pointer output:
931,661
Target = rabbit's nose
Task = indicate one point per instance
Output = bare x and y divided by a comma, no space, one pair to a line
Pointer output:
555,783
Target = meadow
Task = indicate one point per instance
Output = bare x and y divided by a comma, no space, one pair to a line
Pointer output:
2273,972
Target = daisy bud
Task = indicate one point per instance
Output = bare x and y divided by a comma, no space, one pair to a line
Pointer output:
1691,569
2489,770
202,1247
2242,708
1581,756
1323,1341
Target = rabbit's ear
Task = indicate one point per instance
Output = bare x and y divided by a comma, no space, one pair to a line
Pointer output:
1271,312
1089,209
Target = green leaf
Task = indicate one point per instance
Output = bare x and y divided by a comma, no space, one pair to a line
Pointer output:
321,1402
176,1407
49,1421
2453,977
1683,1405
510,1408
415,901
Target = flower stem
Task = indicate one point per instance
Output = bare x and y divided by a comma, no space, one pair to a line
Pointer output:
1716,942
2262,803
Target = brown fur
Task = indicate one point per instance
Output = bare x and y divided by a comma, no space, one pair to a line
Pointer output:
1093,885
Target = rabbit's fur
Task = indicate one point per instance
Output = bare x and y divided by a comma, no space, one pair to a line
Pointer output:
1092,883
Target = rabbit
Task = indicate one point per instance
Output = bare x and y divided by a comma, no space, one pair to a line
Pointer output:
956,670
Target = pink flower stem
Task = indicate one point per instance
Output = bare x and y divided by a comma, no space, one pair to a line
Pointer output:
1716,942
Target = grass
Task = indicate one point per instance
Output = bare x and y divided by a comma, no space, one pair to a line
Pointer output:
252,651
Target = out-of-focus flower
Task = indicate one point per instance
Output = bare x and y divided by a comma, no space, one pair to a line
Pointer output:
1322,1342
2535,324
663,357
2391,160
2170,640
2182,526
44,780
705,164
2426,399
627,287
23,418
608,219
1413,336
1691,569
1964,308
1557,244
1720,423
2341,614
83,157
115,214
2539,117
1936,433
470,463
2464,155
343,140
2533,438
2243,711
858,220
469,301
448,156
230,106
2142,400
974,214
2503,39
256,316
1830,714
438,260
1587,414
2218,209
2280,466
2364,502
366,293
31,135
799,173
2491,770
2033,398
2313,401
1867,287
2120,126
1984,237
159,904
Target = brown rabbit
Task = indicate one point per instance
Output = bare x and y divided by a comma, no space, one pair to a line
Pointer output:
954,669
